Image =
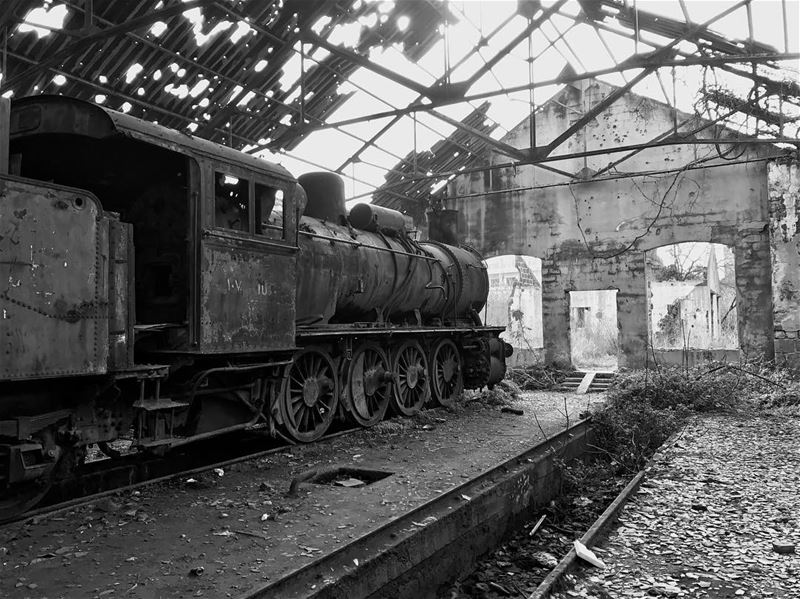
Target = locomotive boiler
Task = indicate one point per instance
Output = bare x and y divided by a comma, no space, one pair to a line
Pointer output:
157,289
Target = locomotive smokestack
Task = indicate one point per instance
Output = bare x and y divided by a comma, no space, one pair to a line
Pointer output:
325,193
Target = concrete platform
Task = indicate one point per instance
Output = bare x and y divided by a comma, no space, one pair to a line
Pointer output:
224,536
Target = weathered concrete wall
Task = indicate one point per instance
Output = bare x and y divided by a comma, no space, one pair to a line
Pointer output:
784,204
593,234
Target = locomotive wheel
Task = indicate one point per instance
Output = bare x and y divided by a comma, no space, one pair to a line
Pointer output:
411,389
20,498
310,395
368,385
447,381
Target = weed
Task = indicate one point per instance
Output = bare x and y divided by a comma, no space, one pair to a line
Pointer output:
645,407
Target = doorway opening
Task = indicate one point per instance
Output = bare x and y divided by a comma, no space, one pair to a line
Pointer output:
515,302
593,330
692,299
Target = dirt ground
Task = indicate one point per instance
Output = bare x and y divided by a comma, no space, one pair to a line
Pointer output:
220,535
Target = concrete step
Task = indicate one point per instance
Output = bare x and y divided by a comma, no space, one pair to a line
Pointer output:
587,382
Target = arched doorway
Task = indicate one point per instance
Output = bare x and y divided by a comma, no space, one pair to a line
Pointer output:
692,306
515,302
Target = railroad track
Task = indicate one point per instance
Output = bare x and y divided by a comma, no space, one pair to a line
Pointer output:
100,478
429,544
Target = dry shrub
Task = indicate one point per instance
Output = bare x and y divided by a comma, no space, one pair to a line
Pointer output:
536,378
502,394
644,407
788,397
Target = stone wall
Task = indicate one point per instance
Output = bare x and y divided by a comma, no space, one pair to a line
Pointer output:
593,234
784,206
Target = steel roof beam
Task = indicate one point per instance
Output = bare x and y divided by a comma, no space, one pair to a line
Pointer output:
533,25
363,61
650,62
610,150
498,145
560,80
396,117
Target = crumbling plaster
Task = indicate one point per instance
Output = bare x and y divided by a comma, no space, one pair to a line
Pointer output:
784,205
594,234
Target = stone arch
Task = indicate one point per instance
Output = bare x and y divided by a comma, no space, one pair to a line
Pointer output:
515,301
691,295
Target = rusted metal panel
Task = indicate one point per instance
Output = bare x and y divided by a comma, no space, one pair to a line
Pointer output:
60,114
120,295
247,294
360,276
53,289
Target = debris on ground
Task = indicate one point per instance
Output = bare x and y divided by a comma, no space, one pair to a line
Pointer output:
744,472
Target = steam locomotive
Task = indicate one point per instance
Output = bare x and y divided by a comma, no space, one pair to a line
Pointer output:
164,289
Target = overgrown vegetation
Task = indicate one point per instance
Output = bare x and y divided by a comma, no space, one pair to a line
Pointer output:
536,377
596,346
645,407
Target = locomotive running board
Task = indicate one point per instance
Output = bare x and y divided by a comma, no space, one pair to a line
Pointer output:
394,331
430,545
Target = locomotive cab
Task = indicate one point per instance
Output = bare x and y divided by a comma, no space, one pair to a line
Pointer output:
210,236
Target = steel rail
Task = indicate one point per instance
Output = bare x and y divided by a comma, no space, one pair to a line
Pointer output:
62,506
334,574
600,525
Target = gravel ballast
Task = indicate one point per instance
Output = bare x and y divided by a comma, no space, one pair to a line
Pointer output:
717,517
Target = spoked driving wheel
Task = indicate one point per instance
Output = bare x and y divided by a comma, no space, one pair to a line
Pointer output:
411,389
368,385
447,381
310,395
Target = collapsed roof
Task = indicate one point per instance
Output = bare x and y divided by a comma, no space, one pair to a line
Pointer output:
395,93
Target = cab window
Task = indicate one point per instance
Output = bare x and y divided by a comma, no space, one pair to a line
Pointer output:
231,202
269,209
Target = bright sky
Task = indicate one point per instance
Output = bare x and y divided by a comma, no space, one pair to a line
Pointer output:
581,46
578,44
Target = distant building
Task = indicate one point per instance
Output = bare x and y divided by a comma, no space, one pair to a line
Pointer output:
687,314
515,302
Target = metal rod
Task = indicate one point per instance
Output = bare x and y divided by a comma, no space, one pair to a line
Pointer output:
750,22
608,150
88,14
302,84
374,247
5,53
531,98
785,27
615,177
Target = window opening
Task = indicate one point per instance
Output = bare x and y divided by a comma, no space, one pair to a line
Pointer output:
270,211
231,202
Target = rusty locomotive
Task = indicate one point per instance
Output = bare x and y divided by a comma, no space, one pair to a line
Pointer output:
164,289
